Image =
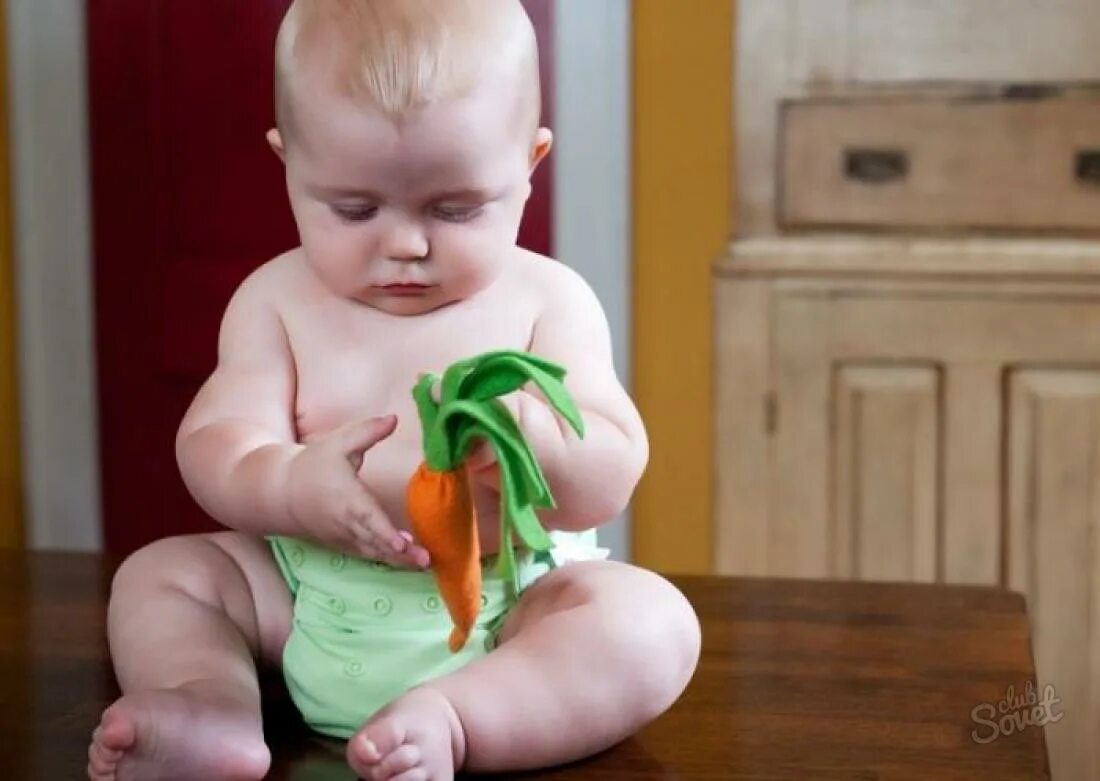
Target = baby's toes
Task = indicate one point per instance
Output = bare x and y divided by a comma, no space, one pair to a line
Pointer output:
362,754
418,773
102,761
398,764
372,744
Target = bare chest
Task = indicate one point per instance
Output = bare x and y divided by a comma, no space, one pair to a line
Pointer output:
347,371
355,363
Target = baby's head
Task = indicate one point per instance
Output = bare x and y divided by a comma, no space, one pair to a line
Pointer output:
410,129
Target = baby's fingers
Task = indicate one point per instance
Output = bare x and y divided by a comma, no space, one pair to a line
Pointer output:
482,456
369,523
357,437
370,545
375,537
417,555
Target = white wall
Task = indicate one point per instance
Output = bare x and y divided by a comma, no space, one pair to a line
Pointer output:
53,273
53,244
592,171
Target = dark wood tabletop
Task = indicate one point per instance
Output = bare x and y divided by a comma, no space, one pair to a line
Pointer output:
798,680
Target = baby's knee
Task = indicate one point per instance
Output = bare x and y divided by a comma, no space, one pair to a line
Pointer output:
191,563
659,632
672,630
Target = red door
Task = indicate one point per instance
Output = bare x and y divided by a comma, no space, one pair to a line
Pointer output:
187,200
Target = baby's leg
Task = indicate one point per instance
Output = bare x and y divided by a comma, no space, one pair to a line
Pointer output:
187,617
592,652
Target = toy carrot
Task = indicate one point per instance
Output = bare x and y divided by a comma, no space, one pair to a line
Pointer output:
439,505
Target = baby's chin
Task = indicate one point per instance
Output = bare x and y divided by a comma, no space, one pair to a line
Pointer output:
432,300
407,306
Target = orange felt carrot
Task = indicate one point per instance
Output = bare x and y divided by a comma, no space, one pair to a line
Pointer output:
442,517
439,506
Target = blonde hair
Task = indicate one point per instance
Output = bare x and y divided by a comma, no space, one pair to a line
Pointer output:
400,54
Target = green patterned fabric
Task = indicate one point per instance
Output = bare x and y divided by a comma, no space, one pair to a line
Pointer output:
364,632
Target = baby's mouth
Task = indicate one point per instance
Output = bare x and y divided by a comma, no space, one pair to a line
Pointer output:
405,288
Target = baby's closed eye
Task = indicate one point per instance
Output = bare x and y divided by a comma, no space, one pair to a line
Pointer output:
351,212
457,212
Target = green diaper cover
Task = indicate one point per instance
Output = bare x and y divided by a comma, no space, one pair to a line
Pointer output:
364,632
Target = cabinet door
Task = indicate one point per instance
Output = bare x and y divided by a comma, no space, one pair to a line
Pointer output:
950,435
885,456
1053,513
890,422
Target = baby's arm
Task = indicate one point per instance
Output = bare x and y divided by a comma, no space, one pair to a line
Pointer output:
238,438
238,451
592,478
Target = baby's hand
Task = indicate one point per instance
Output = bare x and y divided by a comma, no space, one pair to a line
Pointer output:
333,506
481,462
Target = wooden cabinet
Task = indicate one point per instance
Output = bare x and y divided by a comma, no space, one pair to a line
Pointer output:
908,321
921,410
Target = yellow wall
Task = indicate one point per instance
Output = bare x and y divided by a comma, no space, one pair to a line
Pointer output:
683,65
11,527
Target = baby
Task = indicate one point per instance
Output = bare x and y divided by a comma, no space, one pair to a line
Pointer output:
409,130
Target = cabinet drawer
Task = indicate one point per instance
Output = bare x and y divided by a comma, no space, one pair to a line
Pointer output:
958,163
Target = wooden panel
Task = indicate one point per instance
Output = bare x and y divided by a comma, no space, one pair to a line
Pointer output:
972,459
818,329
798,526
956,325
742,427
1063,267
942,163
1053,555
11,478
885,466
973,40
973,333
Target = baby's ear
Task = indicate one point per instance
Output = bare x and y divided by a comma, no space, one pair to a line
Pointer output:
540,148
275,141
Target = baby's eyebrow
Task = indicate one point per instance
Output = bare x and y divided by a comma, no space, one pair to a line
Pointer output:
461,194
345,192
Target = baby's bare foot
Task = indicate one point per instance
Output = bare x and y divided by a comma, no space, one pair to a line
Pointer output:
191,732
417,737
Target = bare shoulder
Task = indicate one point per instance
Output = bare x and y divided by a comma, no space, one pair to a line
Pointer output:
271,283
253,325
559,287
570,325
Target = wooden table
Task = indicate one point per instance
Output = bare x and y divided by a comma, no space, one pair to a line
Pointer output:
798,680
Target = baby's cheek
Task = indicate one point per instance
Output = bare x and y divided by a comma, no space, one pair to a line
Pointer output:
473,252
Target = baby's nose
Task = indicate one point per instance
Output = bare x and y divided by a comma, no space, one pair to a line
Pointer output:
405,240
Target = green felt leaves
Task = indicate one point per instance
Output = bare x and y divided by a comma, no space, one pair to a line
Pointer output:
468,410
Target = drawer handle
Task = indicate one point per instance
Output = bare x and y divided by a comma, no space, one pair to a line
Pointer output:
1088,167
876,166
